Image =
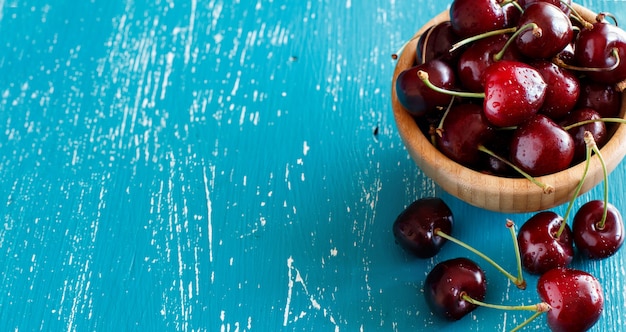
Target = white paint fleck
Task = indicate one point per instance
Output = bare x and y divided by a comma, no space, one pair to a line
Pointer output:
305,148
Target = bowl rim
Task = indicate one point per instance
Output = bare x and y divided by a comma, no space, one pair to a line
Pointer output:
497,193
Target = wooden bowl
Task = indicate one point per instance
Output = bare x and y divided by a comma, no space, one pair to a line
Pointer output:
511,195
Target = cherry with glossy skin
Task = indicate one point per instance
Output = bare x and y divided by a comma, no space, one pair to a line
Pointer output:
446,284
541,247
473,62
414,229
555,27
540,146
473,17
592,239
596,48
576,299
514,91
416,97
436,43
562,91
463,130
597,129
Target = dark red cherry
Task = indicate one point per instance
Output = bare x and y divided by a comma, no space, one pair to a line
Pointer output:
436,43
464,129
473,62
561,4
575,297
417,98
473,17
594,49
448,281
597,130
593,239
514,91
540,146
414,229
604,98
562,91
539,247
556,31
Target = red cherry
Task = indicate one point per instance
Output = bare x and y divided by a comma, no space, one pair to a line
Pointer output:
562,91
597,130
564,5
414,229
514,91
539,247
555,31
417,98
539,146
592,239
463,130
596,48
446,284
436,43
473,17
576,299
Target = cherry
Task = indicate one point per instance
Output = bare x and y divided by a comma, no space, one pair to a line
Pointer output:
414,229
464,128
603,49
448,282
416,97
473,17
562,91
604,98
541,245
575,297
597,129
539,146
598,227
555,26
436,43
514,91
594,239
473,62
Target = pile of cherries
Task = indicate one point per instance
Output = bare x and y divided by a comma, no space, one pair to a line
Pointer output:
508,87
548,83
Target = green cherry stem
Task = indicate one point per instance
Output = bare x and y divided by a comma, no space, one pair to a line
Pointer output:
484,35
422,75
520,275
547,188
584,122
614,52
519,281
539,307
530,26
576,192
526,322
591,144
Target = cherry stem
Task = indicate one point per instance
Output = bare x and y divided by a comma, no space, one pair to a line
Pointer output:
576,16
519,282
526,322
483,35
439,130
591,145
539,307
547,188
584,122
614,52
425,78
514,3
601,16
577,190
520,275
530,26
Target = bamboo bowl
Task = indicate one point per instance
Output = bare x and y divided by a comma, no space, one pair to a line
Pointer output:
495,193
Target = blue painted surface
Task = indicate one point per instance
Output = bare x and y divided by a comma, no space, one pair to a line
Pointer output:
195,165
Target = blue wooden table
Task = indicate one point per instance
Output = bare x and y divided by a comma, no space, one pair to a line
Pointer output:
187,165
